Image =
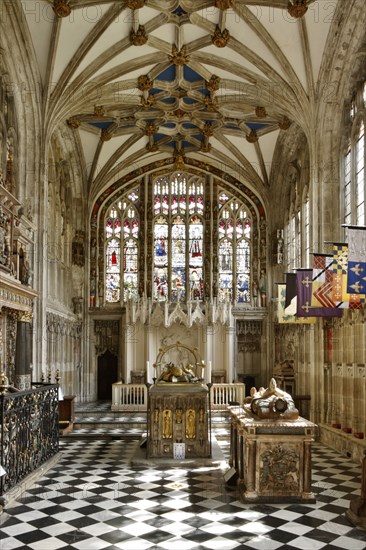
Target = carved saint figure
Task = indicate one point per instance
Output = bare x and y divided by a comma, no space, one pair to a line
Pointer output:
190,424
178,416
167,424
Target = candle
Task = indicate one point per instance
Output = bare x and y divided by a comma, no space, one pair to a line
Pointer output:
148,373
209,371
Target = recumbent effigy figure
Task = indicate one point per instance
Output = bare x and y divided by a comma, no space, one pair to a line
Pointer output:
272,403
173,373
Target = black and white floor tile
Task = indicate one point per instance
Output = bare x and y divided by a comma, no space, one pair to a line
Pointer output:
94,499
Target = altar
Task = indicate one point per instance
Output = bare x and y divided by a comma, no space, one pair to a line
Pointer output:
178,408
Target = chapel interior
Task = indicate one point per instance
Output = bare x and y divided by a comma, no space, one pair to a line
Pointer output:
164,164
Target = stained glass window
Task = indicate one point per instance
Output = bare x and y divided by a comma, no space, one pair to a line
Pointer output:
354,160
360,176
178,241
347,186
234,250
122,233
178,237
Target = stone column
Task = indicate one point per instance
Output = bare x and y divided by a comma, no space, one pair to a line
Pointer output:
22,378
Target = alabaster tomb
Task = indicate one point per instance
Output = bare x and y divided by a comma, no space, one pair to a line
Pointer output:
270,448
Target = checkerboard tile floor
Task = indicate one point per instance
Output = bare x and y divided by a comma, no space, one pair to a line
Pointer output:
94,499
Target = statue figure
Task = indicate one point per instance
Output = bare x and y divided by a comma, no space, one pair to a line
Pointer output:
272,403
173,373
167,424
190,424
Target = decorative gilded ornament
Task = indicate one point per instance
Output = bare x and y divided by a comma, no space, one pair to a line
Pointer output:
99,110
179,57
73,122
152,147
297,8
220,38
207,129
213,84
144,83
210,103
148,102
135,4
260,112
224,4
285,123
139,38
179,162
61,8
150,128
179,113
205,147
252,137
4,383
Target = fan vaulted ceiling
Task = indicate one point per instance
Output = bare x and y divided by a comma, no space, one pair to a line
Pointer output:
141,81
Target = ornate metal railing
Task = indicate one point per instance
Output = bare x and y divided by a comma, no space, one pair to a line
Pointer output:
29,432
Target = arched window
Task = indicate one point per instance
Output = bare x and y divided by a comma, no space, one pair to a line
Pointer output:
121,237
293,240
234,249
178,237
354,161
198,234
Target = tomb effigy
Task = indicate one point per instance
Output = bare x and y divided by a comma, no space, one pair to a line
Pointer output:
270,448
178,409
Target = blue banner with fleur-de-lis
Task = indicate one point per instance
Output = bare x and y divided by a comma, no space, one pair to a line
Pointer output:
356,276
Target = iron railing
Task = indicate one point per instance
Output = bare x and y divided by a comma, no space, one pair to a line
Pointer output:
29,432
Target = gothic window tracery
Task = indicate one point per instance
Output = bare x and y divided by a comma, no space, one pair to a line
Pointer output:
234,250
121,235
180,236
354,160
